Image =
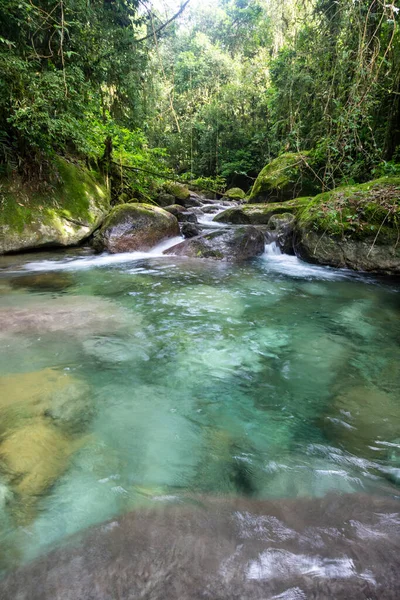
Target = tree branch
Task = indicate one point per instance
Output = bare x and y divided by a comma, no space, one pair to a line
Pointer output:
180,11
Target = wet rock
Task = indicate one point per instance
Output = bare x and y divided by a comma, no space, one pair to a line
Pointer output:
234,245
234,216
175,209
340,546
187,217
193,201
133,227
282,228
190,230
211,208
165,199
360,255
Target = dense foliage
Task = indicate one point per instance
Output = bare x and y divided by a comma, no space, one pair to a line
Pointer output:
222,89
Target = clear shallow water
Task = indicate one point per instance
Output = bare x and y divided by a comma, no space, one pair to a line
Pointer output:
133,379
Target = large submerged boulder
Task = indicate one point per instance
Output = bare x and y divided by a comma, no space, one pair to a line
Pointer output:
133,227
63,212
289,176
233,245
353,226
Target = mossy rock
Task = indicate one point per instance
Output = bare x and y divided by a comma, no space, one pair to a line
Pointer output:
165,199
178,190
62,212
287,177
234,216
135,227
353,226
235,194
260,214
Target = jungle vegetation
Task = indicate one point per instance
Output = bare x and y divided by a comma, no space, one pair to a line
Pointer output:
209,91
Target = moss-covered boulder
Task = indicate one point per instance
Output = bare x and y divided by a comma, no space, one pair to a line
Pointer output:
179,191
235,194
354,226
289,176
235,216
133,227
233,245
62,212
260,214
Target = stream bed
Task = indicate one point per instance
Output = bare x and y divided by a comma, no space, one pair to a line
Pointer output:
130,380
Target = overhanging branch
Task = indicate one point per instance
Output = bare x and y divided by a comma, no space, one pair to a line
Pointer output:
152,34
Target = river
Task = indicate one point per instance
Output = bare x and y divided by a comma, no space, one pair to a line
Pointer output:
135,379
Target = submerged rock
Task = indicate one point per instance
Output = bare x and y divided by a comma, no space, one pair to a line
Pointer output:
34,456
56,395
44,282
75,316
234,245
339,546
62,214
289,176
364,421
133,227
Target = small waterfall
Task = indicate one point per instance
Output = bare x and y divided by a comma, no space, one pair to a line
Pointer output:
272,249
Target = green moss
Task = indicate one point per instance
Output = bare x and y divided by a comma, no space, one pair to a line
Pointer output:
73,193
260,214
235,194
286,177
62,210
120,213
177,190
357,211
77,190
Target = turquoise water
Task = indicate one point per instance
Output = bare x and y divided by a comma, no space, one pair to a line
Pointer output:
134,379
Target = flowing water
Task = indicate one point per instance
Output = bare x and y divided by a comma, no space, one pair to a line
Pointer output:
132,379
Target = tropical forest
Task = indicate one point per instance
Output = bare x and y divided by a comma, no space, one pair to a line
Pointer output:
199,300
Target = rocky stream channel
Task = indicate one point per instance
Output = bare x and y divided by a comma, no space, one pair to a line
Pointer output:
180,428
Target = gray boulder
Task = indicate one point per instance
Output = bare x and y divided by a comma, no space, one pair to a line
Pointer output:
233,245
133,227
